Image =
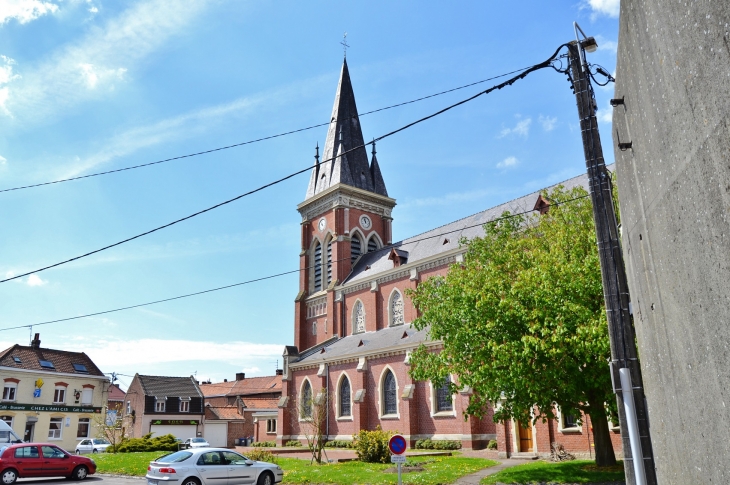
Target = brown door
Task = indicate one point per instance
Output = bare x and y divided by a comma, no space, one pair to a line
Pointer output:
525,436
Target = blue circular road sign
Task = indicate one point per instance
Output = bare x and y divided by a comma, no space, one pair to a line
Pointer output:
397,444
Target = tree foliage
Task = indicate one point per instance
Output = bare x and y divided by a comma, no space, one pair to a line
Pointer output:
522,319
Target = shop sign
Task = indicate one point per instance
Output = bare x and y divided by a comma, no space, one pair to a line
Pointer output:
175,422
48,408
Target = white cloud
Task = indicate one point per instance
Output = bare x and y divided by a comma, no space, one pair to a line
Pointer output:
93,9
522,128
24,11
606,45
508,162
35,280
77,71
6,76
548,123
605,7
605,115
3,160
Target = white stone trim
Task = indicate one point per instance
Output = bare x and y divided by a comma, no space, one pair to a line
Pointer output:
338,411
432,401
390,310
572,430
353,330
381,398
341,195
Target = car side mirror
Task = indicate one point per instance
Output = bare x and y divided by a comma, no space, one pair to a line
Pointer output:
248,462
65,457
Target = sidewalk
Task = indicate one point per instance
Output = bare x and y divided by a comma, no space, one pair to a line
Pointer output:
475,478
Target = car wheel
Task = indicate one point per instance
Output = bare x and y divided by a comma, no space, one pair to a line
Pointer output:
95,450
77,452
266,478
80,472
191,481
9,476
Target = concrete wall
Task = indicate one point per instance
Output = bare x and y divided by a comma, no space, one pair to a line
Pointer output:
674,185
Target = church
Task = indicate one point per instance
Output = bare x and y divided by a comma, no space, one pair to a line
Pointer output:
352,325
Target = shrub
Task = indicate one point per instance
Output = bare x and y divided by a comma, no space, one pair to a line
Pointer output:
294,443
339,444
257,454
492,445
428,444
372,446
146,443
263,444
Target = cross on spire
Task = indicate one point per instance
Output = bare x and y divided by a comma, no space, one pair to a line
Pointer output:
344,44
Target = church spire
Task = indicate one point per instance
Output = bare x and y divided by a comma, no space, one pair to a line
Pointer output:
345,141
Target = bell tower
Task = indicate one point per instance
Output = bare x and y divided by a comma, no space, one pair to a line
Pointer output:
346,213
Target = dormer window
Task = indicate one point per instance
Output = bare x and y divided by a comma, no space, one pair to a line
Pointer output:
160,404
184,404
542,205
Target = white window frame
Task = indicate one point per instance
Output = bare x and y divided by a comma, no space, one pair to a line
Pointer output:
271,426
11,388
51,434
8,422
87,393
303,418
381,395
129,407
390,308
88,428
160,405
578,429
339,416
184,405
355,330
434,402
59,391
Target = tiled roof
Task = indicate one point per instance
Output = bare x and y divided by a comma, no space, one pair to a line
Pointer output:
446,238
62,360
253,404
169,386
365,343
115,393
247,386
224,412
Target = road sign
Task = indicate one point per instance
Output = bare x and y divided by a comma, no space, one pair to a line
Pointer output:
397,444
397,458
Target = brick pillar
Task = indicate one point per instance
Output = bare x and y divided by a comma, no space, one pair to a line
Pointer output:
359,411
409,409
283,418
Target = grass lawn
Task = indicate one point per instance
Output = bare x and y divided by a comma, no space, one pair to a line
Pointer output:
577,471
437,469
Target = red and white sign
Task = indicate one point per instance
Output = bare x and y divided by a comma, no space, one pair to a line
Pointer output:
397,444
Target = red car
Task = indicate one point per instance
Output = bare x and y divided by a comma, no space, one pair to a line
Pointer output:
30,460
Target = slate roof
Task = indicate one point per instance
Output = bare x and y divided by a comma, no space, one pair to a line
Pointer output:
371,342
445,238
344,134
116,394
247,386
169,386
62,360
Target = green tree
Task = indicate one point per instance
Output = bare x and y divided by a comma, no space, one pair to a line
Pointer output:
523,321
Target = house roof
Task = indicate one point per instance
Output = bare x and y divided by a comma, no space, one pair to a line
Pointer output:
446,238
224,412
254,404
115,393
169,386
365,343
62,360
247,386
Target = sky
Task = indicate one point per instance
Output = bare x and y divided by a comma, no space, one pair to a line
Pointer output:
96,85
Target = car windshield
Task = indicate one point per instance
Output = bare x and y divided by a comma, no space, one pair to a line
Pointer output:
198,440
101,442
176,457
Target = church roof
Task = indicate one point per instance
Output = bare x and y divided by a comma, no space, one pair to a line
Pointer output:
446,238
345,159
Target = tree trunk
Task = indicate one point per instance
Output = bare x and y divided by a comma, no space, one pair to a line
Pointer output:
601,436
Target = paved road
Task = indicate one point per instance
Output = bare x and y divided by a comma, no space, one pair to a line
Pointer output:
92,480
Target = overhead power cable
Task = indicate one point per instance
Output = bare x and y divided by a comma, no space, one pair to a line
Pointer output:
263,278
256,140
542,65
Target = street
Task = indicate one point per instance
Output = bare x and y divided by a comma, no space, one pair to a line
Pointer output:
91,480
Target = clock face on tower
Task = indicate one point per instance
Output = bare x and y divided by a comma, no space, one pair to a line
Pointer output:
322,224
365,222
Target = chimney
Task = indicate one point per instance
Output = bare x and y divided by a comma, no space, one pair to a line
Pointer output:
240,376
225,380
36,343
279,372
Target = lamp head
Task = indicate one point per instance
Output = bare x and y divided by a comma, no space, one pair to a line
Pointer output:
589,44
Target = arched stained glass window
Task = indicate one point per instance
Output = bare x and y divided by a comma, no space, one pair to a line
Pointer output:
345,409
355,247
443,396
306,402
318,267
390,403
396,309
358,318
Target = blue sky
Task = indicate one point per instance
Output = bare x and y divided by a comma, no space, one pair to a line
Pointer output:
95,85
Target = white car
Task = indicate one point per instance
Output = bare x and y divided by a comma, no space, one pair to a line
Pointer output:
196,443
211,466
96,445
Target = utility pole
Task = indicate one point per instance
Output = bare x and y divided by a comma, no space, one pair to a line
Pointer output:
625,371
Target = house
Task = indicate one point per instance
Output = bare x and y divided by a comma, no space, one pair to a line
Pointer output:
352,330
245,407
51,395
115,401
164,405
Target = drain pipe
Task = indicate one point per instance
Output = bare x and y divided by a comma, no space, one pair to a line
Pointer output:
628,397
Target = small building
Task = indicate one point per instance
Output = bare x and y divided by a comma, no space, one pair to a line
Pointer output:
51,395
164,405
233,409
115,399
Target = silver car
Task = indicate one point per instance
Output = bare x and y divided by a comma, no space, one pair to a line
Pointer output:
211,466
95,445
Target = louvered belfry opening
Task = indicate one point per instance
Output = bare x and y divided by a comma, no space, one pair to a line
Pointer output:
355,248
318,267
372,245
329,262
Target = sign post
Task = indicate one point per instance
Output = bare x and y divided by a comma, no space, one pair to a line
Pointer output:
398,445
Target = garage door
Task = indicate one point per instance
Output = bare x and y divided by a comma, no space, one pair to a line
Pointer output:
216,433
182,432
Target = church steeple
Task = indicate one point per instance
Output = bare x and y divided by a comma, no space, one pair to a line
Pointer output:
345,134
